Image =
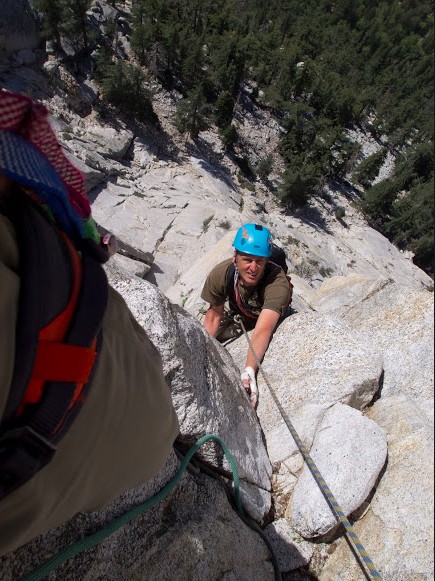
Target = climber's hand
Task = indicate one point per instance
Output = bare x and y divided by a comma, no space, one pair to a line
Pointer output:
110,244
250,385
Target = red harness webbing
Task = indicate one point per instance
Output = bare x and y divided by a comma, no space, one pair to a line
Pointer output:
242,306
62,302
58,361
239,301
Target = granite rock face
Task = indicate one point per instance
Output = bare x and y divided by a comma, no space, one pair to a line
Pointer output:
397,530
204,384
291,550
313,362
192,534
353,366
18,28
378,463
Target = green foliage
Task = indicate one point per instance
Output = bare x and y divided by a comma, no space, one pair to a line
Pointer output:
411,225
206,222
421,160
403,206
299,184
75,22
66,18
141,37
229,136
226,63
225,225
340,213
223,109
368,169
244,183
124,86
264,167
315,142
192,66
245,167
103,63
193,114
378,202
321,67
51,11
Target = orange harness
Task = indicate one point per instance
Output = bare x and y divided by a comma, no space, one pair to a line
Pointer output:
56,360
62,302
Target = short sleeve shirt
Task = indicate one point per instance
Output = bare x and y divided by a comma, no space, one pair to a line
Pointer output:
272,292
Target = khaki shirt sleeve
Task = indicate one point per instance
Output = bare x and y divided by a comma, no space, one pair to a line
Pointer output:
214,291
277,292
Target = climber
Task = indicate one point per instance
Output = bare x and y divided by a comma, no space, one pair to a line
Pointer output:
85,412
256,289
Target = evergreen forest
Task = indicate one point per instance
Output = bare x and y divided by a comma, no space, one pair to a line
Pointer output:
319,66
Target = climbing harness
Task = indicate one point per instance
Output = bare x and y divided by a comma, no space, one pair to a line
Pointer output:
61,306
93,540
365,560
235,299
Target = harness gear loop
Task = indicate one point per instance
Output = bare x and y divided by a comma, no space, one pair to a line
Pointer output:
364,559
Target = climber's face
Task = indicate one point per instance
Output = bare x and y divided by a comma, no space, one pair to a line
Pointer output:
251,268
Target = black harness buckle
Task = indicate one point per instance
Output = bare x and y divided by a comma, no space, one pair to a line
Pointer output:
23,452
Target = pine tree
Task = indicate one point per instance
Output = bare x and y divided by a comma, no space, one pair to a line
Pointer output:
124,86
52,18
76,24
193,114
229,136
192,67
224,109
368,169
299,183
411,225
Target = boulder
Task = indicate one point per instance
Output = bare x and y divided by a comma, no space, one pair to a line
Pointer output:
133,267
93,177
313,362
350,452
125,213
77,95
18,28
339,292
291,551
25,57
397,530
109,142
399,320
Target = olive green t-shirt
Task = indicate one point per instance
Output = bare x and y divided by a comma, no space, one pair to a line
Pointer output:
272,292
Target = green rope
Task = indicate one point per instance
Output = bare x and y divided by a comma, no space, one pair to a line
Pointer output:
361,553
250,522
90,541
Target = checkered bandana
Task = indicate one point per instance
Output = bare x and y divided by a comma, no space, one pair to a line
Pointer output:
31,155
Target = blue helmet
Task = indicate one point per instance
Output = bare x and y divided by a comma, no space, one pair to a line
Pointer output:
253,239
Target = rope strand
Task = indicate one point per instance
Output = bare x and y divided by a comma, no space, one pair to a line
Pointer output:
363,557
92,540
